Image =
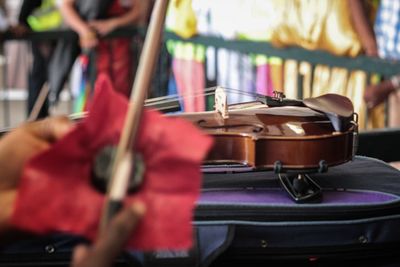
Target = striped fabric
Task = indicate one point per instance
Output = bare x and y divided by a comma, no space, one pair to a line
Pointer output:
387,29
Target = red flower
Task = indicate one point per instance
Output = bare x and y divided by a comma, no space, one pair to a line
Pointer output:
55,192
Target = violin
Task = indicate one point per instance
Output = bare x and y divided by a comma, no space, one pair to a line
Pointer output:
285,135
280,134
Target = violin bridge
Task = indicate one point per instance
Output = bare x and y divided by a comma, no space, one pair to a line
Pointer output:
221,102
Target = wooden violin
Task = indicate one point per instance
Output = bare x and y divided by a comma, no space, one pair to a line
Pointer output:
283,135
292,137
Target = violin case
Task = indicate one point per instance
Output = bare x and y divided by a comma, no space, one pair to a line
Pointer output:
247,219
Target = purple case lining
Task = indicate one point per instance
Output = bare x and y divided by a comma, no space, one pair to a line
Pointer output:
275,196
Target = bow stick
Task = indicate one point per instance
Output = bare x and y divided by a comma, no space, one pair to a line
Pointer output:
124,157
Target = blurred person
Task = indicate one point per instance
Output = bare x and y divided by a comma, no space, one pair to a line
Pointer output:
113,56
3,18
362,15
41,52
387,36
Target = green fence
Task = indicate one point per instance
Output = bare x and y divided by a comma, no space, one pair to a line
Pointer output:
369,65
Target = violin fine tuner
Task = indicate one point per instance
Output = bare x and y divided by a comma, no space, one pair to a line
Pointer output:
279,95
102,166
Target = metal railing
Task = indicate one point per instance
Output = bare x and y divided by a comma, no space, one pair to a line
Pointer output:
370,65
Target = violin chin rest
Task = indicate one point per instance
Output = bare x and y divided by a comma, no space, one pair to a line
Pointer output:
331,103
339,109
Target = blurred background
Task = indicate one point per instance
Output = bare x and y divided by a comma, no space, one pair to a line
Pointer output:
301,48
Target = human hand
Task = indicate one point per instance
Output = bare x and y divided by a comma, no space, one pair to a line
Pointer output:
376,94
104,27
19,145
107,248
16,148
88,39
371,49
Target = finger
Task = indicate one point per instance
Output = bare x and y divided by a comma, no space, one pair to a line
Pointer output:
118,232
22,147
50,129
95,27
80,253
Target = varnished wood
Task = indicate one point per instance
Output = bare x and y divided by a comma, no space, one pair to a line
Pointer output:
298,137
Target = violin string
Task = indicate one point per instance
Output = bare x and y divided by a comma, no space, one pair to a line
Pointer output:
164,100
175,97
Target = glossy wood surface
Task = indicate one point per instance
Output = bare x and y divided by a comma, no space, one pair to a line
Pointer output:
296,136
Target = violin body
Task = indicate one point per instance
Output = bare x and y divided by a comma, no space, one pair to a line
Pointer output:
297,137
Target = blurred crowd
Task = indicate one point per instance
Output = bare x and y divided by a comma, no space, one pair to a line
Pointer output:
342,27
347,28
52,60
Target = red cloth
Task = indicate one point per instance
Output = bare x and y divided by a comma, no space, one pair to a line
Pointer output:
117,9
55,194
114,56
115,59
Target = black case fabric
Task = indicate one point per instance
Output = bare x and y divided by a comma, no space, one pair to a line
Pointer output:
267,234
308,234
